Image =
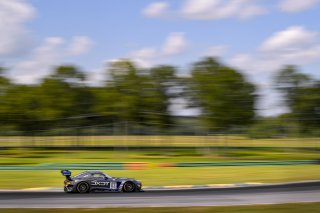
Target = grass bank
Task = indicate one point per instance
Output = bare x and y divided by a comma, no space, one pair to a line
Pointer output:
29,156
283,208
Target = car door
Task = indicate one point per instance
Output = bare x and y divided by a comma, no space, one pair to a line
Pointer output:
99,181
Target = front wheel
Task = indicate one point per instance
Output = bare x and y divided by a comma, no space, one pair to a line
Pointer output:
83,188
128,187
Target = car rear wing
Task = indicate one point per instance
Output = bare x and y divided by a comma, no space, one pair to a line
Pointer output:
66,173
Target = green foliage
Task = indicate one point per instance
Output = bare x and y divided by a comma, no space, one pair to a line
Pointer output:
288,81
139,96
46,105
64,94
275,127
140,100
306,108
5,84
20,104
302,96
223,94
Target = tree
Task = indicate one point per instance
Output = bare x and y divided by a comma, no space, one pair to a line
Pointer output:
5,85
165,85
224,96
70,75
302,96
135,95
64,98
21,104
4,81
306,108
288,81
272,127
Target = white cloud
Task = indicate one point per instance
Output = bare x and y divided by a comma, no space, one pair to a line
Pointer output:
96,77
15,39
292,6
43,58
156,9
290,39
223,9
216,51
294,45
52,52
145,53
220,9
80,45
175,44
144,57
208,9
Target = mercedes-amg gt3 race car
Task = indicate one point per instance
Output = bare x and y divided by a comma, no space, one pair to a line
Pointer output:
89,181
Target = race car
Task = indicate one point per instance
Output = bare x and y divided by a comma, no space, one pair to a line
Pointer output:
90,181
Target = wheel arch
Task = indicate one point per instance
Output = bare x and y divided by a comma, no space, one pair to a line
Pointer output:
82,182
129,181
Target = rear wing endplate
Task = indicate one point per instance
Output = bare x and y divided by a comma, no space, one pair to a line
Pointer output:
66,173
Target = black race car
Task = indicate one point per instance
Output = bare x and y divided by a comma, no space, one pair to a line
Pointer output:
89,181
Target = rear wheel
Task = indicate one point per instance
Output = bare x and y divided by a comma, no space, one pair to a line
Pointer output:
83,188
128,187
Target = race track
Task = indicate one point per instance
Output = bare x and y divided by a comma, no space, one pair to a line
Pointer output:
289,193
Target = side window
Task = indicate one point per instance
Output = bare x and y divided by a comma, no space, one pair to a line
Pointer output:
98,176
83,175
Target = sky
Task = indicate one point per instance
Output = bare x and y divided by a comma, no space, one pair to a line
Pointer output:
257,37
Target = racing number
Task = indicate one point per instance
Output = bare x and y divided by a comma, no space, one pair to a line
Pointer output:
113,185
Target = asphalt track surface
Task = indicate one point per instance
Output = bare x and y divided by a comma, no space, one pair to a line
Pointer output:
287,193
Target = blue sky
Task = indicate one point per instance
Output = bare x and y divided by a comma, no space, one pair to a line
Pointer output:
255,36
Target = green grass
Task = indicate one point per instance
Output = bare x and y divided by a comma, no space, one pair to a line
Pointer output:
283,208
173,176
20,156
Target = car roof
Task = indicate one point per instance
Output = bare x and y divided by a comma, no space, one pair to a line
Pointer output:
94,171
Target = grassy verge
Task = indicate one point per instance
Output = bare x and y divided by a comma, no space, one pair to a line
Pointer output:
19,156
283,208
173,176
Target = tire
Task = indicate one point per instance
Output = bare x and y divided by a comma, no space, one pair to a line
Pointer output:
128,187
65,190
83,187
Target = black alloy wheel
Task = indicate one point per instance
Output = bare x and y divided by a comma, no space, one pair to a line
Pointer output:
128,187
83,188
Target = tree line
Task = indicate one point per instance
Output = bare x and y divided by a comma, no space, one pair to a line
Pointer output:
225,98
